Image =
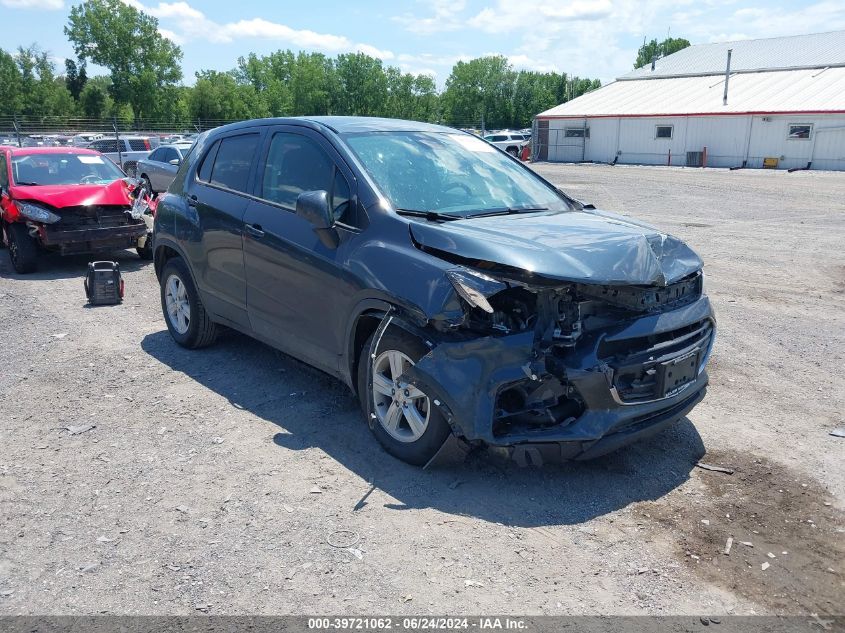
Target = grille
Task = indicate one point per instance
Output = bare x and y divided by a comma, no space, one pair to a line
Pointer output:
650,298
637,361
92,217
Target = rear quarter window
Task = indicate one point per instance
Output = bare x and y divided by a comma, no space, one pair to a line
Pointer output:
139,145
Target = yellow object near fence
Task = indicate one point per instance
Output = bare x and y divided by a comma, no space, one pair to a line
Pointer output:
770,163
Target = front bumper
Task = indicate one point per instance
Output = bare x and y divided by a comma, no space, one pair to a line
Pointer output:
93,239
466,379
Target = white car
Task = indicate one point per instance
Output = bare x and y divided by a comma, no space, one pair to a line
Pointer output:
511,142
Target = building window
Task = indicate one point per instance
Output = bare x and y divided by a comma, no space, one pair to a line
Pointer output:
800,131
577,132
663,131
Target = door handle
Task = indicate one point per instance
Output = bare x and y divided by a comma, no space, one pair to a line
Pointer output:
192,200
255,230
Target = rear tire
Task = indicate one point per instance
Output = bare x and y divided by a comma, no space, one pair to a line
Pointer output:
513,151
186,318
416,439
23,250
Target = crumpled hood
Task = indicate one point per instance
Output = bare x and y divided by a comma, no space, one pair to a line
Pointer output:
60,196
587,246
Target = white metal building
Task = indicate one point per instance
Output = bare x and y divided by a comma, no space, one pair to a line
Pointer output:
785,101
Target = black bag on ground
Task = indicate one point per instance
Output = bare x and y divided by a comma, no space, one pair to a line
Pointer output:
103,283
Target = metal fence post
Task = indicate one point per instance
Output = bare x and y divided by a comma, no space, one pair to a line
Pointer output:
117,139
18,131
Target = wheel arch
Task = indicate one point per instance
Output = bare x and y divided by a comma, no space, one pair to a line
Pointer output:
166,250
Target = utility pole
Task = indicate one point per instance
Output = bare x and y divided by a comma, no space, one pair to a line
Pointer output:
18,131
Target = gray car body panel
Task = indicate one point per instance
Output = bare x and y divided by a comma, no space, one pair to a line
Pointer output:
394,268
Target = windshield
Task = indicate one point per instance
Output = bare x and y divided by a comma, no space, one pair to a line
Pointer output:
447,173
63,169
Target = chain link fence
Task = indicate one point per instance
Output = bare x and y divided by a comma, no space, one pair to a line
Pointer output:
31,131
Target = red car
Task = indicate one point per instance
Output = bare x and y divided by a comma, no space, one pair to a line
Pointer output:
65,200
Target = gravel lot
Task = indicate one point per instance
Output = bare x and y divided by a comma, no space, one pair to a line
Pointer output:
237,480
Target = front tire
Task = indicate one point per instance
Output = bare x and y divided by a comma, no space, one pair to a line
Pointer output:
186,318
405,421
23,250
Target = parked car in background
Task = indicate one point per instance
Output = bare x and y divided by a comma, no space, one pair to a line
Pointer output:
132,149
66,200
83,139
511,142
159,168
454,289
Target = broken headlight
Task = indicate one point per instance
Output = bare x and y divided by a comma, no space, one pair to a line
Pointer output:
36,213
474,287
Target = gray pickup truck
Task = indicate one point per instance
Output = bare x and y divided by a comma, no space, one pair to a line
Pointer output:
159,168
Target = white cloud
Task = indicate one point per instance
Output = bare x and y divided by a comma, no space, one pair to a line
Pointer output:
42,5
599,38
445,17
182,23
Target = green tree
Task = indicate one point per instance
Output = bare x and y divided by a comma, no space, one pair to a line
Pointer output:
117,36
479,89
75,77
41,92
654,50
410,96
311,80
94,100
10,85
219,97
270,78
359,87
535,92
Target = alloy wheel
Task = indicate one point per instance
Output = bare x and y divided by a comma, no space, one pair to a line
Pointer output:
178,306
402,409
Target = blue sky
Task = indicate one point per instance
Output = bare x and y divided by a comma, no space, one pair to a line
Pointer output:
589,38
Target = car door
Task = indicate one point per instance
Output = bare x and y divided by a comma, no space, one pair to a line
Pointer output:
164,171
295,283
149,166
218,196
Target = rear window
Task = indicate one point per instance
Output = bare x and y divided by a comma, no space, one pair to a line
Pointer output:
233,161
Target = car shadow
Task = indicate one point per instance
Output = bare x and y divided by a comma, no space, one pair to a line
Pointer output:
55,266
306,408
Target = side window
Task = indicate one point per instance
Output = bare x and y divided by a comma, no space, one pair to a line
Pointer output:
295,164
4,172
105,146
233,161
663,131
156,155
204,172
168,154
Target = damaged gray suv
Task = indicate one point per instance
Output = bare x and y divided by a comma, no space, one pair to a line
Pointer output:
455,290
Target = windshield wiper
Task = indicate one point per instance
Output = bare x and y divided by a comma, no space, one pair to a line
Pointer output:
25,183
506,211
429,215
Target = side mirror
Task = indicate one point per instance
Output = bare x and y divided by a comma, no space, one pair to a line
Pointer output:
313,206
174,161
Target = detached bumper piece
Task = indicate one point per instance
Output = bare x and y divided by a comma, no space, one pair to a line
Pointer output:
92,229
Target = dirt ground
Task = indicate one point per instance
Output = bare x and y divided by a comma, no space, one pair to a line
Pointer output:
237,480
